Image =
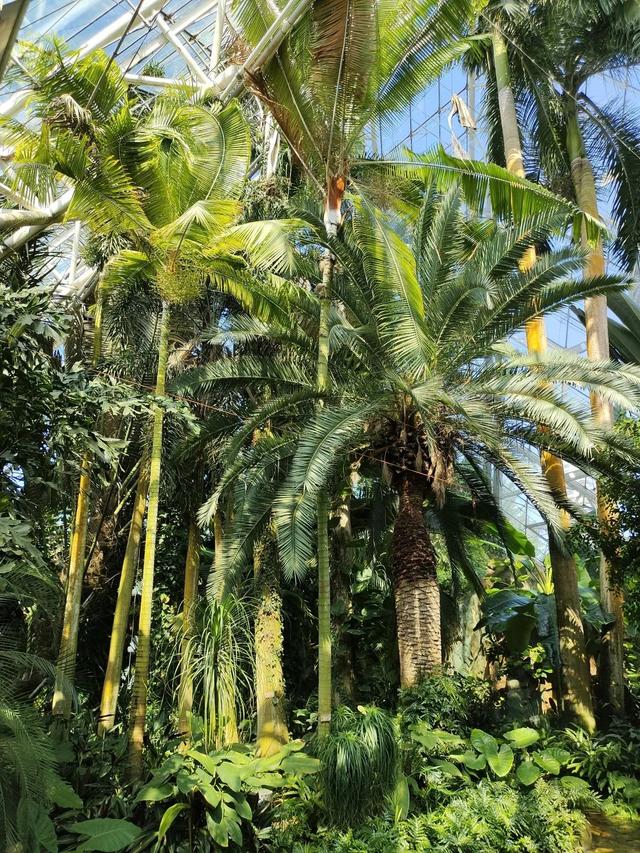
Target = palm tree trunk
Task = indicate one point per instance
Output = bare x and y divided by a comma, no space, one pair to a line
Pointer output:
191,576
140,683
596,321
343,674
66,663
272,731
415,585
113,674
576,681
324,578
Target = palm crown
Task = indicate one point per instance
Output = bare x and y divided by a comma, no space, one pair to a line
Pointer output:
422,377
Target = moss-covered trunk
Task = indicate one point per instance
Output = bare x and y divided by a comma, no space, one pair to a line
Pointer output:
67,651
189,603
272,731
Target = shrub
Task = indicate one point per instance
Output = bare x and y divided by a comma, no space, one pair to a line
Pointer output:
453,702
359,763
489,818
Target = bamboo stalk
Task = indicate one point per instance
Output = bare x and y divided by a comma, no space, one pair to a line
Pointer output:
575,681
142,664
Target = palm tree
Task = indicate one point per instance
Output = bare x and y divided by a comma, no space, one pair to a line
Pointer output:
413,389
575,676
557,49
84,111
344,68
192,164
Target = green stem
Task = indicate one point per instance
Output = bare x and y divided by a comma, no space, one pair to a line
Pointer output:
324,589
67,653
141,678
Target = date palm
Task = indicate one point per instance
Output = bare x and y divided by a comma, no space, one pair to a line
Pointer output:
347,66
421,383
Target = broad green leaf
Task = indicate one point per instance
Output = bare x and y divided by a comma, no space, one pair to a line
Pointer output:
523,737
300,764
473,761
186,782
33,821
209,762
234,830
264,780
501,762
154,793
168,768
63,795
106,834
547,762
211,794
168,818
560,755
448,768
243,808
401,799
483,742
528,773
217,830
230,775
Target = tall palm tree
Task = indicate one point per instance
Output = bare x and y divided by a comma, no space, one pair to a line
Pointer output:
349,65
84,113
413,388
557,49
192,163
575,676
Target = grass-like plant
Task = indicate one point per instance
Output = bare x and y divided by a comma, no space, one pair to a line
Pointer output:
359,763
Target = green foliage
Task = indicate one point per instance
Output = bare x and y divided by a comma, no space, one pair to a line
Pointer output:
209,795
359,763
481,755
489,818
609,762
452,702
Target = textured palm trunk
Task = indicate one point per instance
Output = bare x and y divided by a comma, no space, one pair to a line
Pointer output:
324,578
191,576
67,652
272,731
343,674
113,673
415,585
141,677
596,322
576,682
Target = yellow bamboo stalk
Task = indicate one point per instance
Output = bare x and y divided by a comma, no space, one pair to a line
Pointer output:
597,328
67,652
576,686
113,673
191,575
139,694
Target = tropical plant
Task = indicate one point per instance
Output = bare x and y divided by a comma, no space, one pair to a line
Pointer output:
415,393
323,92
556,50
359,762
574,678
210,796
